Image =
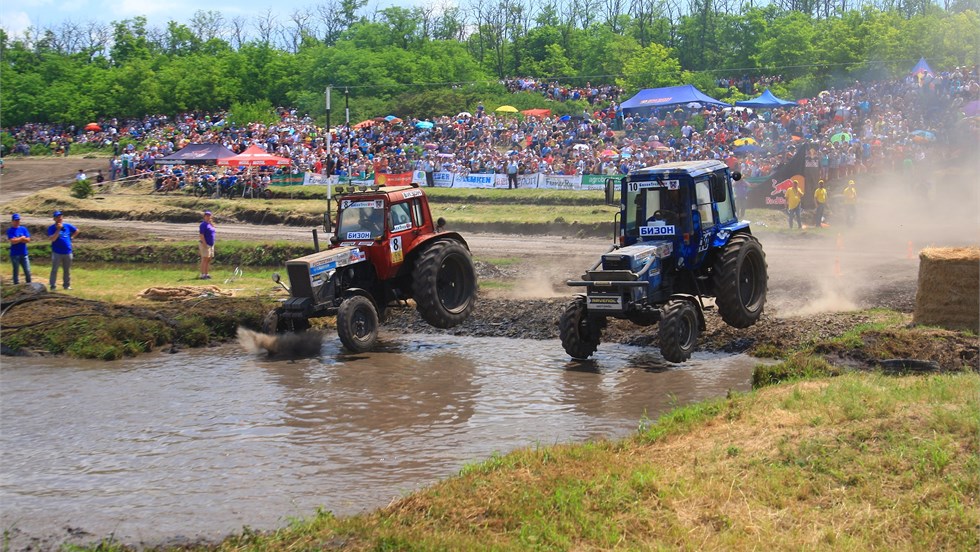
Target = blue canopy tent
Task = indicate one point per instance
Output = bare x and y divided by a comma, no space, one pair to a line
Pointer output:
671,95
765,100
196,154
922,68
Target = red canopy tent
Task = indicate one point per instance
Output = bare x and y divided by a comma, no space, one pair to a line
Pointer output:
537,112
254,156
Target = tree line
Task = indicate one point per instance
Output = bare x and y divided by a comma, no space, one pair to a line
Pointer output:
425,61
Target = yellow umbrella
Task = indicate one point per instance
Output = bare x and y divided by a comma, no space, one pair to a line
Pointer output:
506,109
743,141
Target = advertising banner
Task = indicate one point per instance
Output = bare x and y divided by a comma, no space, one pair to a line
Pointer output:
393,179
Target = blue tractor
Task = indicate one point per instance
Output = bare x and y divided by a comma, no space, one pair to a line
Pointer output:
679,241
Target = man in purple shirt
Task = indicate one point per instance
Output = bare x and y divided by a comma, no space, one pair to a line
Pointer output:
206,245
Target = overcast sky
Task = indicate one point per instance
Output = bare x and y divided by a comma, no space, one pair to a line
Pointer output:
18,15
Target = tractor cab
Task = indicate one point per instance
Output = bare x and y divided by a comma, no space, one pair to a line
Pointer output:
385,222
684,203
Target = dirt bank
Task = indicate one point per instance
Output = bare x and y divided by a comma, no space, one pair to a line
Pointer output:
821,282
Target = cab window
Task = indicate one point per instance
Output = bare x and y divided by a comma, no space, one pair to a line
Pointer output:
401,217
703,191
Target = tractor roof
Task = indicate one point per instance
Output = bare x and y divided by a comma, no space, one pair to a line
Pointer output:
693,168
394,193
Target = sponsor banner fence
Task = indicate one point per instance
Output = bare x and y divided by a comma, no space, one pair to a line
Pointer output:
393,179
287,180
475,180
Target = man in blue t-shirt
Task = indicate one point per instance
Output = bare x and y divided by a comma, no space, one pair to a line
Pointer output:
61,233
19,236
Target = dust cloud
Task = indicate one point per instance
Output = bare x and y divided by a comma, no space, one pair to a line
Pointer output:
874,262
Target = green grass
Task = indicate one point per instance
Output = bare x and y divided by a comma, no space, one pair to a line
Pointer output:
122,283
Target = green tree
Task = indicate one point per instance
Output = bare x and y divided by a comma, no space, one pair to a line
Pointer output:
655,66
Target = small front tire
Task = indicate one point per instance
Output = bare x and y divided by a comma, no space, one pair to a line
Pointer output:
679,329
580,333
357,324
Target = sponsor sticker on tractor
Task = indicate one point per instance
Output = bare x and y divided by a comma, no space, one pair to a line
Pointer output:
655,230
358,235
605,302
397,255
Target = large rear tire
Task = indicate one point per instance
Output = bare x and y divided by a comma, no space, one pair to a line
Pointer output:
357,324
444,285
679,329
580,334
741,281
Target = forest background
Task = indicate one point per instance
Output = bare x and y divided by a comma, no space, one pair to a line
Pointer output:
433,61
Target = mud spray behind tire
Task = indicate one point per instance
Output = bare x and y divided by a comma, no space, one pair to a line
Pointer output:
287,345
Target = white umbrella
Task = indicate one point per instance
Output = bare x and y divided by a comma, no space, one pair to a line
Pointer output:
464,114
580,146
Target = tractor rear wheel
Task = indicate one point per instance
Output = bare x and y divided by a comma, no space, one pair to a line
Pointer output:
741,280
357,324
580,333
444,285
679,329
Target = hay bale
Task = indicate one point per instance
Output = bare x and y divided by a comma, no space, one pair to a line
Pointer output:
948,293
182,293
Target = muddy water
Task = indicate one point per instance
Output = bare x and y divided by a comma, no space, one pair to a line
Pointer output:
200,443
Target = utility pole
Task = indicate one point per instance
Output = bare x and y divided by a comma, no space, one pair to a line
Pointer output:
349,137
326,219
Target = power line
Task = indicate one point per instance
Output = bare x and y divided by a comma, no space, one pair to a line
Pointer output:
768,70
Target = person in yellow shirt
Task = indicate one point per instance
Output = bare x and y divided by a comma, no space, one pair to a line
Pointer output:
820,198
850,203
794,203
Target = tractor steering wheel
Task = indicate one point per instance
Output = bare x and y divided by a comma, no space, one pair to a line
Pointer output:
665,215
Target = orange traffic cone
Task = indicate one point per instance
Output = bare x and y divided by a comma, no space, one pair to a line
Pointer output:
910,254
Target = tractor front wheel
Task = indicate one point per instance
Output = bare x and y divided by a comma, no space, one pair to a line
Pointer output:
580,333
270,324
357,324
445,284
741,281
679,328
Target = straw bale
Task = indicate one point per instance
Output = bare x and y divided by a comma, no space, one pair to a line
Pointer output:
182,293
948,293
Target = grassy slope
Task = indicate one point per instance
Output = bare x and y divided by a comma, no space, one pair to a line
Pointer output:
857,462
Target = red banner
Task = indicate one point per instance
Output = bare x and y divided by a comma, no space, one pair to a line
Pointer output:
398,179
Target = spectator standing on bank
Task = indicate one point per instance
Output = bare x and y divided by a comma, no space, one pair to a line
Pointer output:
820,198
19,237
850,203
794,204
61,233
512,168
206,233
741,197
80,175
429,169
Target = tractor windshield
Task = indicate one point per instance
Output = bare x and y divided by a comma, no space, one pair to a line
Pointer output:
657,209
361,219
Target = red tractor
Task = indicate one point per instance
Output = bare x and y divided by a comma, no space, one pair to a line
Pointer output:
386,250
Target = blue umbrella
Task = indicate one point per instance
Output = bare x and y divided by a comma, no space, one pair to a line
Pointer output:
747,148
424,124
565,118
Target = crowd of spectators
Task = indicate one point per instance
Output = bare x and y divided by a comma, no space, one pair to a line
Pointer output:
847,131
